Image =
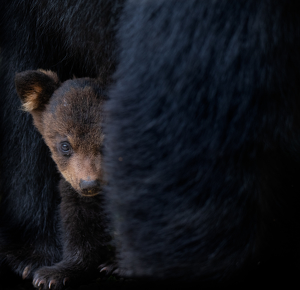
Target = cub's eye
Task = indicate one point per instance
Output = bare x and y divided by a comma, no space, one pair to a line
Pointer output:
65,148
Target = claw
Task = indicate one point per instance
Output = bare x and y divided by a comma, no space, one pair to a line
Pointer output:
66,280
41,283
51,283
35,281
103,269
26,272
101,266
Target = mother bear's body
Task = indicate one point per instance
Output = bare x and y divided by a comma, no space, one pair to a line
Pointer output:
202,143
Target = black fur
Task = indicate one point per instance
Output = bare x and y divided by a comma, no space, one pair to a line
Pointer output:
71,113
202,140
71,38
84,239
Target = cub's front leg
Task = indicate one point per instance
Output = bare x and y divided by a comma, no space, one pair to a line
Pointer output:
85,241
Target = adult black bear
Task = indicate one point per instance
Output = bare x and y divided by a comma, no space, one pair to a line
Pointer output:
72,38
203,138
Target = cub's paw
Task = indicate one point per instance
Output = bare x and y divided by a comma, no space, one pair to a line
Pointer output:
51,278
26,261
110,269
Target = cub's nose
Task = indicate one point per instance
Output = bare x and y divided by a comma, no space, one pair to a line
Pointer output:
89,184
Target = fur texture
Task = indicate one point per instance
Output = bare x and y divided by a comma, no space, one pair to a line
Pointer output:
70,118
71,38
202,140
203,137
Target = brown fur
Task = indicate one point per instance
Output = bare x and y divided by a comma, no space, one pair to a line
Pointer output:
35,88
31,96
60,118
82,129
69,117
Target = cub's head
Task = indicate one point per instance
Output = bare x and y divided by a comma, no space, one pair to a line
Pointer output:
69,116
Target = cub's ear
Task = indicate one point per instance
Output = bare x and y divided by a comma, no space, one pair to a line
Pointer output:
35,88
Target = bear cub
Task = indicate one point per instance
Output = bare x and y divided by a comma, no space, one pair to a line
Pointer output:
69,116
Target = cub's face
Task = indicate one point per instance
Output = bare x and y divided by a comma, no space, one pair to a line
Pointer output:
70,121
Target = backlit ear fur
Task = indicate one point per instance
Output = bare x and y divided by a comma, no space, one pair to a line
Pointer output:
35,88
